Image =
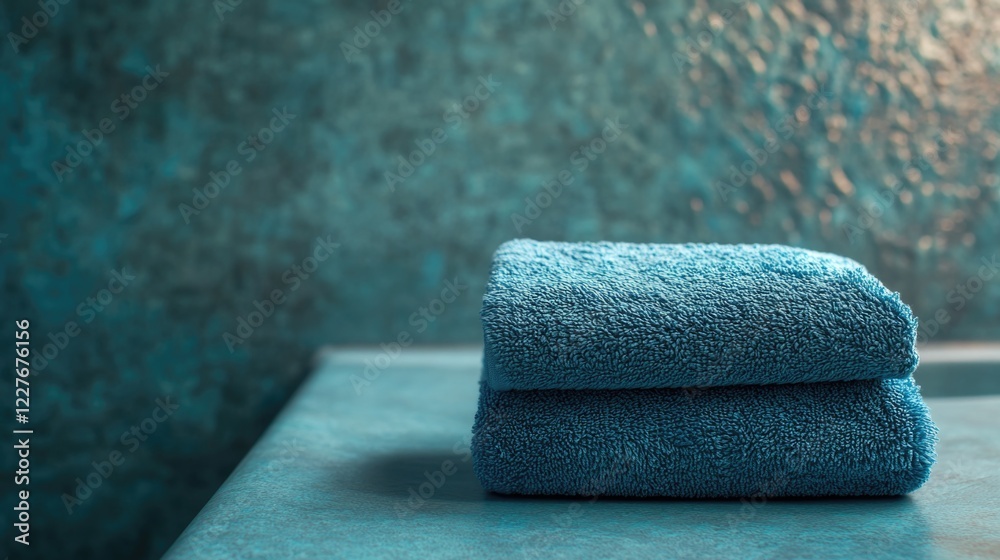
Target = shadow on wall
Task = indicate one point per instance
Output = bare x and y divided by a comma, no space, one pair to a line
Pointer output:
416,485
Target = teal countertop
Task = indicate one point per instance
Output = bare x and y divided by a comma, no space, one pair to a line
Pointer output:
341,472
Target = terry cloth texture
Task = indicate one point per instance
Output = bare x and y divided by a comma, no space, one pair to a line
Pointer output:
634,316
859,438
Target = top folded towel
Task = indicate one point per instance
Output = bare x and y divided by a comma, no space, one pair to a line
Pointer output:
633,316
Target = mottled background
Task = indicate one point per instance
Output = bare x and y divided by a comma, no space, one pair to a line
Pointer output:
848,99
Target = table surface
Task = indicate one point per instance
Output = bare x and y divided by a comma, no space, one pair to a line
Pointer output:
337,473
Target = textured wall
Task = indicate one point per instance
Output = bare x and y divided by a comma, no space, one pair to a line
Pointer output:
847,101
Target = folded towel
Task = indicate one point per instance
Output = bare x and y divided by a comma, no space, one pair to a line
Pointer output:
631,316
858,438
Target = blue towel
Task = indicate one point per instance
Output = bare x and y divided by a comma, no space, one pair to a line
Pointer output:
858,438
631,316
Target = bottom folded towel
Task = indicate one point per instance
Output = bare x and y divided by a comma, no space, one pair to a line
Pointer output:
859,438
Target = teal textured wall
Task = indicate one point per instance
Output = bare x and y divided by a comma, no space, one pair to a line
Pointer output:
216,151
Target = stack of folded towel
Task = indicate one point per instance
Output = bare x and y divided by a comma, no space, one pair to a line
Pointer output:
696,371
